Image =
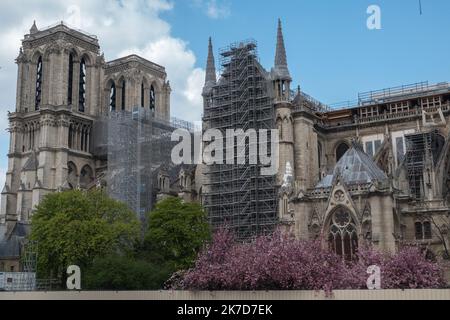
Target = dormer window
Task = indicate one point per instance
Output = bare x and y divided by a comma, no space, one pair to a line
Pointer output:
399,107
431,102
369,112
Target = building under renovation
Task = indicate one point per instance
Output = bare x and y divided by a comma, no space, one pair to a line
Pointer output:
237,194
136,147
372,171
80,123
376,170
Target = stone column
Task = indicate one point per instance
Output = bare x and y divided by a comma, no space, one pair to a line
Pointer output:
301,220
383,222
306,154
286,143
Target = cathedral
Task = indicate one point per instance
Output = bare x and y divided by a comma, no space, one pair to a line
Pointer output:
373,172
65,90
376,171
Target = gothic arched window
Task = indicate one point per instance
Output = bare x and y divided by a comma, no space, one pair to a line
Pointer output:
70,81
423,230
418,230
82,86
319,156
112,98
152,98
39,75
343,237
124,95
427,230
142,95
341,150
70,142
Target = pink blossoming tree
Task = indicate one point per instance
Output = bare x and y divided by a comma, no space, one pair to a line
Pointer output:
277,262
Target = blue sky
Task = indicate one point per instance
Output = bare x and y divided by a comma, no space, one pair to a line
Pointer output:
331,52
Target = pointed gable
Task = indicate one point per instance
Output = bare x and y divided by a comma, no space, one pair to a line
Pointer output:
355,167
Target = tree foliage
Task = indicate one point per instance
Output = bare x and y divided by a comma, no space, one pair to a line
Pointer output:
125,273
74,227
278,262
176,232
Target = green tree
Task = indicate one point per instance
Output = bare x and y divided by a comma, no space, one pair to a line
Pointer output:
176,232
74,227
125,273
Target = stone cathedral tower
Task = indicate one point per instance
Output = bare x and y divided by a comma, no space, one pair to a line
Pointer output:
64,86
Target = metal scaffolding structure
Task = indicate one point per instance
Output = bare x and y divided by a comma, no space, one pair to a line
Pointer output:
26,279
422,150
238,195
135,145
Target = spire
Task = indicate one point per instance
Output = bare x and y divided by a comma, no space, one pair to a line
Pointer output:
34,28
280,56
281,66
210,66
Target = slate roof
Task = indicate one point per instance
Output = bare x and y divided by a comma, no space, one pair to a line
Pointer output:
355,167
10,245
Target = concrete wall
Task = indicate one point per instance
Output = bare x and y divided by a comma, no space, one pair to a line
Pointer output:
230,295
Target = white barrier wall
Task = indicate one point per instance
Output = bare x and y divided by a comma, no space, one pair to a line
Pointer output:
231,295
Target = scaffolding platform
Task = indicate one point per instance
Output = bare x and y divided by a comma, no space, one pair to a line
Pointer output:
238,196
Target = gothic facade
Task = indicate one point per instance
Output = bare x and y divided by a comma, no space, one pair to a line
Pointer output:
64,85
375,172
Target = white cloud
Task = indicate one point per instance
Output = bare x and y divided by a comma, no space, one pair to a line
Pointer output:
214,9
121,26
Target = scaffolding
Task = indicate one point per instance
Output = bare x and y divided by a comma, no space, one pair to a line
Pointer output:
422,152
238,195
26,279
136,145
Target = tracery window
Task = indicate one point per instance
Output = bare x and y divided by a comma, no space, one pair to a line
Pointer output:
343,237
